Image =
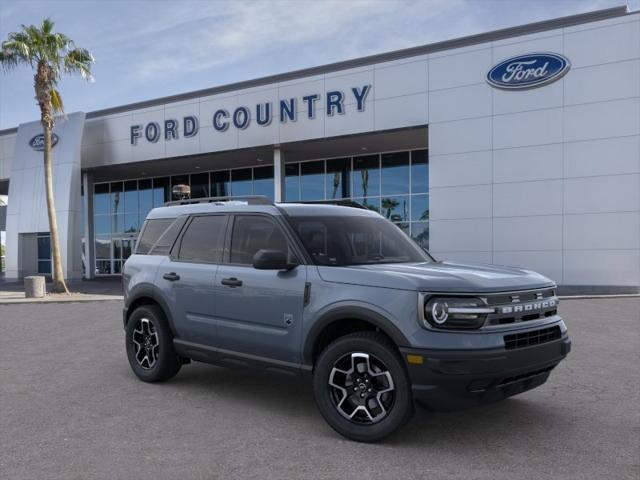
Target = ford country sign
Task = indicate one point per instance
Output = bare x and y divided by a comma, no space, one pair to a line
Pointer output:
37,142
528,71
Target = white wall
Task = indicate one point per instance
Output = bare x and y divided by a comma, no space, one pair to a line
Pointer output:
548,178
7,145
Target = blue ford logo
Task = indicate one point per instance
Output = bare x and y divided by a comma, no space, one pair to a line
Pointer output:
37,142
528,71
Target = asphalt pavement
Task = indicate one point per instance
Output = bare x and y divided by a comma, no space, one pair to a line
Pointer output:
70,408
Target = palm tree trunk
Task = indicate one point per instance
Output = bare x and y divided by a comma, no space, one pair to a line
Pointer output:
59,284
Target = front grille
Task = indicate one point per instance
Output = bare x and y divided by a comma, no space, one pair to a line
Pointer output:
524,306
535,337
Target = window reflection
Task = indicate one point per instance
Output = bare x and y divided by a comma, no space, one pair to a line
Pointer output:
338,179
395,173
419,171
241,182
312,180
395,209
366,176
292,182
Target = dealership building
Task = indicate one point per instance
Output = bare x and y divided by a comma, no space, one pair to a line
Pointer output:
516,147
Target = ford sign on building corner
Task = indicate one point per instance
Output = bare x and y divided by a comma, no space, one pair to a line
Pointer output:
37,142
528,71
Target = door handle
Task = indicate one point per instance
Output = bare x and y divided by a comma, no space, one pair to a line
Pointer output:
231,282
171,276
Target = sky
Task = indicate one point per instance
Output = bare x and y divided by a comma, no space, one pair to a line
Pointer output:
152,48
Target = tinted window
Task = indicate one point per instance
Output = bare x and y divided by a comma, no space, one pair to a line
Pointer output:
355,240
151,233
168,238
252,233
204,239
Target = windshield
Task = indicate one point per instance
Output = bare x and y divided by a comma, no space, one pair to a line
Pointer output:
342,240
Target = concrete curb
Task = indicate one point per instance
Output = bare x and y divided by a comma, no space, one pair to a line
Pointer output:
61,299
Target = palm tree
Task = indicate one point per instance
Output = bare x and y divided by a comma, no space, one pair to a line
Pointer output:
50,55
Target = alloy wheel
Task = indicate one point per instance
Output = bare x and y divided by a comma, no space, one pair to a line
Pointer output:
361,388
146,343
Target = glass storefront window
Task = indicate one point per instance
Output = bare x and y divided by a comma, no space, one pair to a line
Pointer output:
263,181
396,208
145,197
292,182
178,180
420,233
199,185
419,171
241,182
395,173
101,198
393,184
419,207
312,180
161,191
338,179
220,184
366,176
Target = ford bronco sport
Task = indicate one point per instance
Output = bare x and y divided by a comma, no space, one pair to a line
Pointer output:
341,296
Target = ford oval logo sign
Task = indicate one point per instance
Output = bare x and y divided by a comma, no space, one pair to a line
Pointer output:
37,142
528,71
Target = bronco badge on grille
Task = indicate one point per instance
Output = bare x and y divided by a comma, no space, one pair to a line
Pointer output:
528,307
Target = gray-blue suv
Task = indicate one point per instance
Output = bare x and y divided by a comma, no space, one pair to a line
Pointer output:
341,296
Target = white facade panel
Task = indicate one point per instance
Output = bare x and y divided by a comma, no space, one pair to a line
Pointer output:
609,156
527,128
398,112
615,118
602,82
453,235
460,202
598,231
399,80
596,46
459,69
351,122
527,233
460,103
550,41
460,136
542,162
505,101
602,267
613,193
527,198
457,169
465,257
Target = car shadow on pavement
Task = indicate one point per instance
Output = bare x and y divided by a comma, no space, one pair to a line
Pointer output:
508,421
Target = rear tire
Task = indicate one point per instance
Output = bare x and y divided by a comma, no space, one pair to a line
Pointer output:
362,388
149,344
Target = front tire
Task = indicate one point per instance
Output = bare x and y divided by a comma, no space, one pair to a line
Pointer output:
361,387
149,344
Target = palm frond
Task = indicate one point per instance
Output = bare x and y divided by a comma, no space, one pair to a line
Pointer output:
79,60
56,101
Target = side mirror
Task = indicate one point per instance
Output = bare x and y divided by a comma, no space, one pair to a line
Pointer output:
271,260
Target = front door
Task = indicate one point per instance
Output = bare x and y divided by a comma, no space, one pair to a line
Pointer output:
259,312
187,278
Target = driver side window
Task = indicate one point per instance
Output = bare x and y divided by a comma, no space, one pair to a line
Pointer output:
252,233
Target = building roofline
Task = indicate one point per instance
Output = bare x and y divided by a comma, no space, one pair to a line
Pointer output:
535,27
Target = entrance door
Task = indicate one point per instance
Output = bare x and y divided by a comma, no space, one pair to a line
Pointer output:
259,312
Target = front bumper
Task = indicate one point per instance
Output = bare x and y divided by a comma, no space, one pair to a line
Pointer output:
455,379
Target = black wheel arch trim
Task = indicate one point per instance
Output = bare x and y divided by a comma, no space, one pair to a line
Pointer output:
147,290
351,313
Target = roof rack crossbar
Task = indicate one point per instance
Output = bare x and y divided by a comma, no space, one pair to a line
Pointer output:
342,203
250,199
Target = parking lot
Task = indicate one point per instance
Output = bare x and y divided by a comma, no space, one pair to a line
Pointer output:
71,408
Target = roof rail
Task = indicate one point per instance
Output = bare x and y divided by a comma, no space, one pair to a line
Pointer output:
250,199
342,203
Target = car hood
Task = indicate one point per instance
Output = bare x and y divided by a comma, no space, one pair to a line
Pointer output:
437,277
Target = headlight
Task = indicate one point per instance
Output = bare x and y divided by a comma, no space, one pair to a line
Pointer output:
455,312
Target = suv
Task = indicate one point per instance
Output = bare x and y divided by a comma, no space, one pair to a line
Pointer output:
338,295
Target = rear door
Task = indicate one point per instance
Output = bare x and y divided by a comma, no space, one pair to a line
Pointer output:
259,312
187,277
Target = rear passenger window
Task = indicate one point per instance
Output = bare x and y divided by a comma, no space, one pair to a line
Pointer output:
168,238
252,233
203,240
151,232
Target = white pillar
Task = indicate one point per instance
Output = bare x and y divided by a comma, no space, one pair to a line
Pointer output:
278,174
